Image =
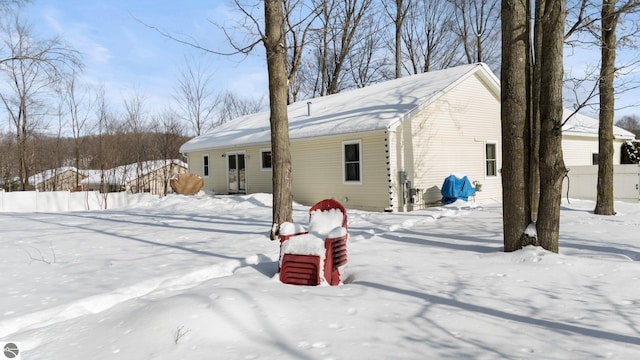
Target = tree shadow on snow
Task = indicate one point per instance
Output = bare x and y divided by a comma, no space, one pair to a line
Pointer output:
268,269
582,247
129,237
542,323
166,221
482,243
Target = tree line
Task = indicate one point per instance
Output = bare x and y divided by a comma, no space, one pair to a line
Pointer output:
97,152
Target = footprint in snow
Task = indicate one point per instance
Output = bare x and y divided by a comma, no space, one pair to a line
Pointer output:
309,345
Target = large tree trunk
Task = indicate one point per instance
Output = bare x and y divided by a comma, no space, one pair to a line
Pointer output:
514,118
604,202
280,151
552,168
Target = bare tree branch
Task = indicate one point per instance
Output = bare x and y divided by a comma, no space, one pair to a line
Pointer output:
194,44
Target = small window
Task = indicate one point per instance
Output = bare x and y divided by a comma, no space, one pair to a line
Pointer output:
205,165
352,161
594,159
265,159
491,159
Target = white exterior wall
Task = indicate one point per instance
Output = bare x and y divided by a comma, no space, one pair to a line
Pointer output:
317,171
449,137
257,179
582,182
578,150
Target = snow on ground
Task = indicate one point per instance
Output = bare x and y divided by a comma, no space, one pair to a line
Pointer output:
195,278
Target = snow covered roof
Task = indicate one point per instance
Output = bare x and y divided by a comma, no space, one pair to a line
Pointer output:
120,175
583,125
48,174
377,107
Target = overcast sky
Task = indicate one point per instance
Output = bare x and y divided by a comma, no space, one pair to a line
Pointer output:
125,55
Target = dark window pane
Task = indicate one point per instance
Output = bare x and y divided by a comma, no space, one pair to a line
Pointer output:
352,172
491,168
352,162
240,161
266,159
491,159
491,151
352,152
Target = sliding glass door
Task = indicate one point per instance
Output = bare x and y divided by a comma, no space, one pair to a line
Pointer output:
236,173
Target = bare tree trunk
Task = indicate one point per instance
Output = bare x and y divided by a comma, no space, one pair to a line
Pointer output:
342,25
400,14
280,150
535,59
604,202
76,104
298,33
22,145
428,38
476,24
195,96
515,128
552,168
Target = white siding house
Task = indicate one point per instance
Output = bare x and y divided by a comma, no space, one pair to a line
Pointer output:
148,176
387,146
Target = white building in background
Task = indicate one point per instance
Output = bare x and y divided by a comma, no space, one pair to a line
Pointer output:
580,140
148,176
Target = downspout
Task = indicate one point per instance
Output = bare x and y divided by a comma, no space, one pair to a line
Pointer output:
387,150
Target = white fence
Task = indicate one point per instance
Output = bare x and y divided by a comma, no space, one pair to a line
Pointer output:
55,201
583,181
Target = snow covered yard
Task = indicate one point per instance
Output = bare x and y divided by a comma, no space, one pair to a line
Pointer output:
195,278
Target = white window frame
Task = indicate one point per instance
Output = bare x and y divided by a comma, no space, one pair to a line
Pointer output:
262,151
344,162
486,159
206,168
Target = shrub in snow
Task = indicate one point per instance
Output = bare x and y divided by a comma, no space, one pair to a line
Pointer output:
630,153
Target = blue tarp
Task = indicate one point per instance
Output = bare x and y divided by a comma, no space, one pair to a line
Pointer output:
455,188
